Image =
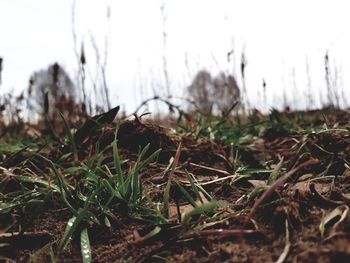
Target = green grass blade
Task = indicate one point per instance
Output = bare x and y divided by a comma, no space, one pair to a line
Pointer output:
255,193
83,213
35,180
69,134
194,187
135,185
63,189
85,246
166,197
52,256
201,209
71,225
245,170
118,168
150,159
127,186
108,187
64,157
143,152
186,195
276,173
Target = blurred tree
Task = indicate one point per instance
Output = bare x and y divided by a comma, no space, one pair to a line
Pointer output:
212,94
52,90
226,91
200,89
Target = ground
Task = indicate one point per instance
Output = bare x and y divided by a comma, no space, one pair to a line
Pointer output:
260,188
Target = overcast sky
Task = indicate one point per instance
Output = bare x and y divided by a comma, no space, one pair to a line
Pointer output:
277,36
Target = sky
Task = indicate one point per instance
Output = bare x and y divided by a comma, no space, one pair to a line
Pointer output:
282,40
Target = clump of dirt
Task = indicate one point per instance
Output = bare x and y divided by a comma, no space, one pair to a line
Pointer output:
135,135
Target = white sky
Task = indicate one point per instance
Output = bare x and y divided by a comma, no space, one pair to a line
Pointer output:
276,35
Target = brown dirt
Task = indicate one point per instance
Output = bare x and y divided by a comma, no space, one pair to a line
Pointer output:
299,202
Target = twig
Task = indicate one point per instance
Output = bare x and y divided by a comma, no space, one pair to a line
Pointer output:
211,169
221,233
278,183
167,102
212,181
287,246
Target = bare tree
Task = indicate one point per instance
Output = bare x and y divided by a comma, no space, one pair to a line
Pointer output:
217,93
226,91
50,90
200,89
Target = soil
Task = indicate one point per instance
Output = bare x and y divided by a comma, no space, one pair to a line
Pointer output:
288,218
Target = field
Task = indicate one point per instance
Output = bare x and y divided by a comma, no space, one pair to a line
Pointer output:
226,188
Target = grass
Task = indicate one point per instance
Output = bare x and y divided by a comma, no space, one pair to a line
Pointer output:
99,194
96,185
